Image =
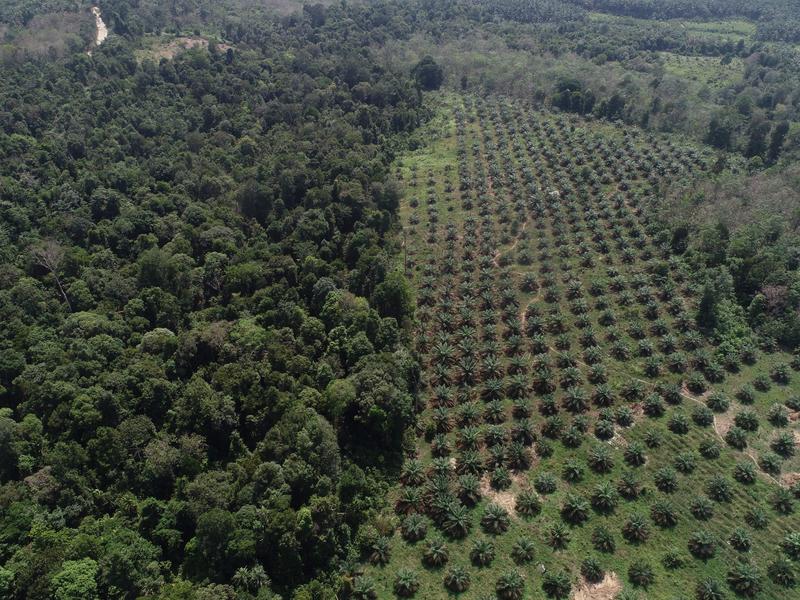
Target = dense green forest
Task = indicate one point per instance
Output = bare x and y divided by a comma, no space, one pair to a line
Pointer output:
265,269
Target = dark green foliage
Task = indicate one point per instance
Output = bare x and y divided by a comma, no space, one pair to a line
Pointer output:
782,572
591,570
702,545
702,508
495,519
523,551
709,589
744,579
636,529
641,574
457,579
482,553
428,74
436,553
557,584
791,545
510,586
740,540
406,583
528,504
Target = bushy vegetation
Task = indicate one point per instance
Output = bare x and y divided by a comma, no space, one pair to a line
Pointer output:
204,377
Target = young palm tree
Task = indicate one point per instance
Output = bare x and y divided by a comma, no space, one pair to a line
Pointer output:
409,501
604,498
455,520
603,540
663,514
413,473
744,579
414,528
379,551
782,572
635,529
634,454
469,489
495,519
436,554
591,570
364,589
523,551
457,579
406,583
702,545
558,536
510,586
557,584
600,459
482,552
641,574
575,509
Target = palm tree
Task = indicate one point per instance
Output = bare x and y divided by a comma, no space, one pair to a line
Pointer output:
467,371
523,432
518,456
443,397
523,551
604,429
603,540
663,514
604,498
744,579
702,508
635,529
517,386
634,454
600,459
495,519
406,583
640,574
528,503
364,589
409,501
575,509
591,570
482,552
436,554
510,586
740,540
494,412
440,446
469,438
557,584
492,389
455,520
457,579
414,528
782,572
469,491
558,536
379,551
251,579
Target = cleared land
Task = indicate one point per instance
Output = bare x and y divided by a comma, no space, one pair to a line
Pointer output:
577,425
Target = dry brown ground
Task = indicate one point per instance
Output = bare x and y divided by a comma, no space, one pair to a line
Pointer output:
605,590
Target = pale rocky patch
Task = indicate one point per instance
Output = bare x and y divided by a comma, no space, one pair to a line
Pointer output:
790,479
504,498
604,590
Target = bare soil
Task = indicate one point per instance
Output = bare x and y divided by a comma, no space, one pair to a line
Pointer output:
605,590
